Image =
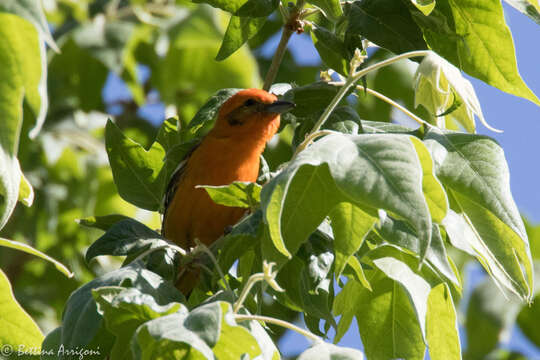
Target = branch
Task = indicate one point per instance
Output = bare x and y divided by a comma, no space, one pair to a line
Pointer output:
292,24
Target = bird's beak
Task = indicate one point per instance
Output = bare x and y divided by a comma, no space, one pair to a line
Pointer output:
279,107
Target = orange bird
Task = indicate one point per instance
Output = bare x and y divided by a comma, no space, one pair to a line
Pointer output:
229,152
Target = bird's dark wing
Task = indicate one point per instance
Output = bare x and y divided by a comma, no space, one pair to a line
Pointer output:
176,178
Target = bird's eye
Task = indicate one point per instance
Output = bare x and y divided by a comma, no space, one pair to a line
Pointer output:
250,102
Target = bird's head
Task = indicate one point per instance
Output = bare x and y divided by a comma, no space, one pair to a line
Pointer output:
250,112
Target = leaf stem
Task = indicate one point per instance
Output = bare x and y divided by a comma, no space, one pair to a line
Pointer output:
208,252
278,322
353,77
291,24
253,279
147,252
394,104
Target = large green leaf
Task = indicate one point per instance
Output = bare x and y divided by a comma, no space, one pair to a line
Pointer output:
208,332
311,99
22,66
32,11
140,175
30,250
387,23
386,320
401,234
474,37
415,285
473,167
350,225
442,326
238,194
127,237
124,310
370,171
82,324
18,329
239,31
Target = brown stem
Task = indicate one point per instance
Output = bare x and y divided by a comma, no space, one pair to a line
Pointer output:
293,24
278,57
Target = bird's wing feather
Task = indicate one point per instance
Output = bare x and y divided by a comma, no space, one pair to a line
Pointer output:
176,179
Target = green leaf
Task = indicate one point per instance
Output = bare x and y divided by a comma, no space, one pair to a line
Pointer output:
456,30
370,171
311,99
350,225
205,116
239,31
26,192
343,119
137,172
238,194
432,187
331,49
387,23
400,233
248,8
386,320
331,8
102,222
527,7
325,351
33,12
209,329
473,167
490,318
425,6
416,286
83,326
18,329
311,290
167,335
442,325
51,344
127,237
22,59
124,310
243,237
30,250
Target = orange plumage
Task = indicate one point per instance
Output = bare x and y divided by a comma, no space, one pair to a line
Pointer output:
230,152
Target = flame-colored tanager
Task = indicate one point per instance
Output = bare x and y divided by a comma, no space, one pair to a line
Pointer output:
229,152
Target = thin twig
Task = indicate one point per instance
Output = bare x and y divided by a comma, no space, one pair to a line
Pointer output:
208,252
253,279
278,322
394,104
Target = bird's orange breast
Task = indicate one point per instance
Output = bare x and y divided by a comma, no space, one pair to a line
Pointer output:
192,214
